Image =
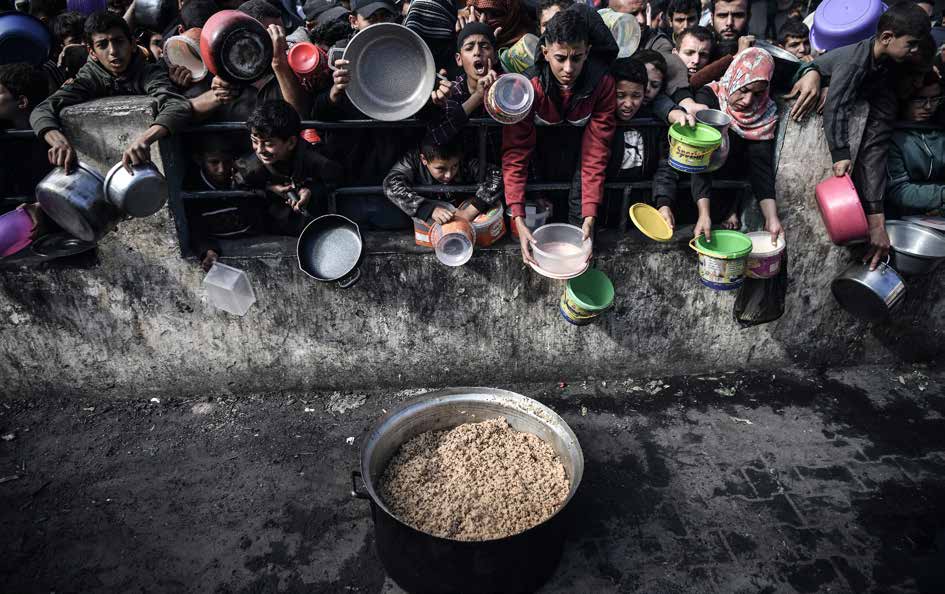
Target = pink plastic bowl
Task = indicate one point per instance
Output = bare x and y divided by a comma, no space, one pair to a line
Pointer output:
840,208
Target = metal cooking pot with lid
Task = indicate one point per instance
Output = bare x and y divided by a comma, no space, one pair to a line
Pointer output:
915,249
392,71
236,47
421,562
77,202
869,294
329,250
138,194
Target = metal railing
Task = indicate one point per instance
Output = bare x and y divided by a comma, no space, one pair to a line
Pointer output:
177,195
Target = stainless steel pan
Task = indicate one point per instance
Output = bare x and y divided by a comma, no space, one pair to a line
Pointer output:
329,250
915,249
392,71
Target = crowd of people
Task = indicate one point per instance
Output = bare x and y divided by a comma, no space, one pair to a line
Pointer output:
690,57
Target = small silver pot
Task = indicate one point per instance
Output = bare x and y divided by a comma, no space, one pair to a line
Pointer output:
916,250
138,194
869,294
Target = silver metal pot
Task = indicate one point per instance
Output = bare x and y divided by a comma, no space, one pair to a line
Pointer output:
392,71
421,562
77,202
916,249
138,194
786,64
869,294
720,121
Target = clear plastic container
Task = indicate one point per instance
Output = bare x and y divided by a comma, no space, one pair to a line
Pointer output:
229,289
561,248
535,216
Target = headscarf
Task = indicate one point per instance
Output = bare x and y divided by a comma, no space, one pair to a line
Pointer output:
431,19
514,22
760,120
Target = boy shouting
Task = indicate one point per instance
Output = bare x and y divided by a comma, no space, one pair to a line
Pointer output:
115,67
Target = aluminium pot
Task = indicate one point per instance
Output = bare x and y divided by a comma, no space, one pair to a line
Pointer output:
236,47
869,295
392,71
139,194
330,250
786,65
77,202
916,250
721,122
421,562
155,15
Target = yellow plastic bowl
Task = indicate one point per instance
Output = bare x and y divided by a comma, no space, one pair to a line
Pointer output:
650,222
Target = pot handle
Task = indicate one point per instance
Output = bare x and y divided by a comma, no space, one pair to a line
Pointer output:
335,53
349,282
355,491
692,244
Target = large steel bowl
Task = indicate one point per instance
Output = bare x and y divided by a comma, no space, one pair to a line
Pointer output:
421,562
915,249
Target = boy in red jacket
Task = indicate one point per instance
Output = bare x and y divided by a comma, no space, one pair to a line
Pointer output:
570,87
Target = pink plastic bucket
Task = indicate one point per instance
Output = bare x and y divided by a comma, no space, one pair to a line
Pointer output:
841,211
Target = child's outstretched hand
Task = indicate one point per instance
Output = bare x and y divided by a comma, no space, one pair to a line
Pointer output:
340,80
483,84
442,90
667,214
442,215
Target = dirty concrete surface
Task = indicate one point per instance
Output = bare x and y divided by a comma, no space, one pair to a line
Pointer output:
785,481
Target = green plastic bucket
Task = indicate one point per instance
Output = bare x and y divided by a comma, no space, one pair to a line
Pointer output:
586,297
691,148
722,260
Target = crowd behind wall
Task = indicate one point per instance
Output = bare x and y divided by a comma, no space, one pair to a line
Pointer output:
690,57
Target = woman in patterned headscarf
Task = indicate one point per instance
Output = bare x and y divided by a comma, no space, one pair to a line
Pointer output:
743,94
507,17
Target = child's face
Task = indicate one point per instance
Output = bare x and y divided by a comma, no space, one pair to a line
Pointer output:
112,50
922,105
629,99
443,171
655,84
546,16
799,46
901,47
218,168
476,57
10,105
566,60
154,44
270,149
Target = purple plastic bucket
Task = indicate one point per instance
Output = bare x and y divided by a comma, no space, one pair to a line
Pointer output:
86,7
844,22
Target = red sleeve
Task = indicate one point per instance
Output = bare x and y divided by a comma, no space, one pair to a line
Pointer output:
518,142
595,146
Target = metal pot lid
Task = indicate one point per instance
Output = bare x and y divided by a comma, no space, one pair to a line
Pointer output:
58,245
138,195
777,52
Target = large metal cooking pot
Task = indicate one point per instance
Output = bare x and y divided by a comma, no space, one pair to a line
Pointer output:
721,122
236,47
138,194
786,65
155,15
23,38
869,294
915,249
420,562
330,249
77,202
392,71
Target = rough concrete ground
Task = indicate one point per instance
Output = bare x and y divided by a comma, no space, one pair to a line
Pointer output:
780,482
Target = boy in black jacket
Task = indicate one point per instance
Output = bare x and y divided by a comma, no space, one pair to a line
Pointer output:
441,164
868,69
283,165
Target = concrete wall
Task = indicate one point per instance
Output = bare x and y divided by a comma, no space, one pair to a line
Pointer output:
135,320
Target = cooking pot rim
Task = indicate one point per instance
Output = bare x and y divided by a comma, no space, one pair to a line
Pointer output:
344,221
504,398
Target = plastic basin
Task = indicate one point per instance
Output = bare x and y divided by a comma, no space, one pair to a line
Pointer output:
844,22
560,248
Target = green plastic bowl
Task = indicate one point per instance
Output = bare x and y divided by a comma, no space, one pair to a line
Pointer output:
725,245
